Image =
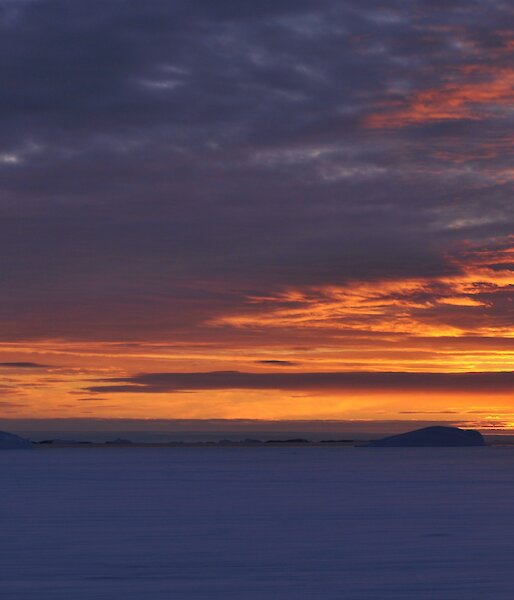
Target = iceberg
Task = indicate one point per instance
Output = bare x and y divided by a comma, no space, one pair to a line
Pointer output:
9,441
431,437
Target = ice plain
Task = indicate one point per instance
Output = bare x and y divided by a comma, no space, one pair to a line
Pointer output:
257,523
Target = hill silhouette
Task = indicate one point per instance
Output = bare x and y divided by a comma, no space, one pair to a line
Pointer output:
431,437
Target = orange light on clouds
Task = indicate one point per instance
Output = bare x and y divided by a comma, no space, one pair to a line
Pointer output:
473,92
404,306
447,324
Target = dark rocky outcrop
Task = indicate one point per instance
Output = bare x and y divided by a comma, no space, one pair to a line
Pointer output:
431,437
291,441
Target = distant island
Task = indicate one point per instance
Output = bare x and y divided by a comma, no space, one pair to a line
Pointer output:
124,443
431,437
435,436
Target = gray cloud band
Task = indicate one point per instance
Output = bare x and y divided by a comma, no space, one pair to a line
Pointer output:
502,382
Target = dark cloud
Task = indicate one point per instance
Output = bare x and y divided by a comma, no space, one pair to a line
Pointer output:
278,363
22,365
429,412
334,382
242,146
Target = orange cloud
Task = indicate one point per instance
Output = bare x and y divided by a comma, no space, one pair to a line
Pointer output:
432,306
473,93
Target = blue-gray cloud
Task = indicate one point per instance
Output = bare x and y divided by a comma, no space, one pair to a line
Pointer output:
148,145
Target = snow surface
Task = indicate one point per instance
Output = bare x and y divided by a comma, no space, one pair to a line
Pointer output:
257,523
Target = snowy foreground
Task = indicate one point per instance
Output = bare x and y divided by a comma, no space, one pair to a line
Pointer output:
257,523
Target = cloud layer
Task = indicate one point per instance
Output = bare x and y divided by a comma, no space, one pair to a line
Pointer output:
335,382
151,154
211,184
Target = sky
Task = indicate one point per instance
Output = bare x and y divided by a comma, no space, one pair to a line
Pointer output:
292,210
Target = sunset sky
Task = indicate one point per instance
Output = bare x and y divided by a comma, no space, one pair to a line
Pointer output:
227,209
